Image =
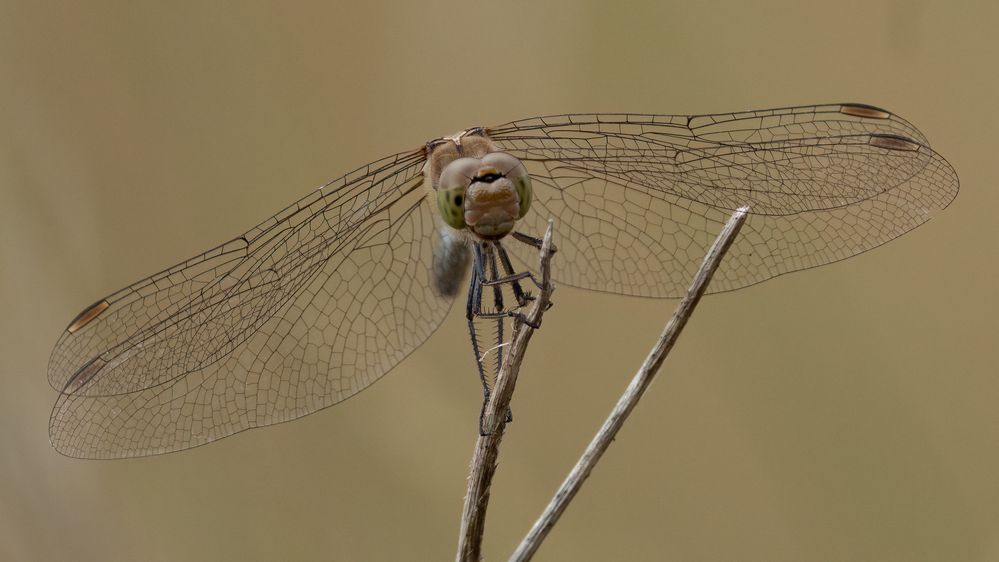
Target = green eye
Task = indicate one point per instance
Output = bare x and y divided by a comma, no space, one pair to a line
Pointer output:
451,203
525,192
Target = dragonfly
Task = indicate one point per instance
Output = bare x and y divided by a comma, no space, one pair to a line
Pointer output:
319,301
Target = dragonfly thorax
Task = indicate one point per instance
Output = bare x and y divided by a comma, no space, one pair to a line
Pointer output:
478,187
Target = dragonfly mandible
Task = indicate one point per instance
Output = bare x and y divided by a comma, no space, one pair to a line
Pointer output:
319,301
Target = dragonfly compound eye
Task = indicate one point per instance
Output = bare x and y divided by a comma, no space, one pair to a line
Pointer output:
451,203
454,180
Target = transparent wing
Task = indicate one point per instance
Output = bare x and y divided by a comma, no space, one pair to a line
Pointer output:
638,198
301,312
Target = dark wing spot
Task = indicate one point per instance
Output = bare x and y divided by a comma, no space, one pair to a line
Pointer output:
84,318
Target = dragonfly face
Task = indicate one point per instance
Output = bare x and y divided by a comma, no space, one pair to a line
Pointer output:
478,187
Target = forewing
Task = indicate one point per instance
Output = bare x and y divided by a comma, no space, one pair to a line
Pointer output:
638,198
301,312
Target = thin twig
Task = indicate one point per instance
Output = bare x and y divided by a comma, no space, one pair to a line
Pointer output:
574,481
473,517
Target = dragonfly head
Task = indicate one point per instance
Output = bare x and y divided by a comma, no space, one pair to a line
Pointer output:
485,195
477,186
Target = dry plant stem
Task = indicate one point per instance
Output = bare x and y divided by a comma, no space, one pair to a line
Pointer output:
634,392
473,516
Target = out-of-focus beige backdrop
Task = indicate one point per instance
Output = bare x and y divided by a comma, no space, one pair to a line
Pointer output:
844,413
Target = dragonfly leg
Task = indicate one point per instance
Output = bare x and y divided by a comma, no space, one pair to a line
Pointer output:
472,306
497,299
493,274
508,266
484,273
480,280
514,278
530,240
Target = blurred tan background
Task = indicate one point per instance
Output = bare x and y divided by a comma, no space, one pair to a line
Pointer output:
845,413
